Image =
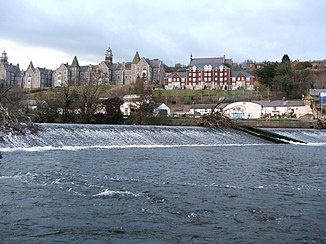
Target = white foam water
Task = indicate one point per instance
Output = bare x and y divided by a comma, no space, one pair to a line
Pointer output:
110,193
99,147
75,137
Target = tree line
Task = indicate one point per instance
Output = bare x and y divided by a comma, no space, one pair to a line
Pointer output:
74,104
292,81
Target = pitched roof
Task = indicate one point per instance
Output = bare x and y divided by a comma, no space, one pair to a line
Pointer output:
236,73
214,60
281,103
85,68
31,65
136,58
44,71
208,106
154,63
11,68
118,66
180,74
75,63
203,61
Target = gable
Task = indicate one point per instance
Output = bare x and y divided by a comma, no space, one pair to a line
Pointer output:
143,62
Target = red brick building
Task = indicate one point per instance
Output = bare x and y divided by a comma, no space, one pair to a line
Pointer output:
211,73
175,80
242,80
318,64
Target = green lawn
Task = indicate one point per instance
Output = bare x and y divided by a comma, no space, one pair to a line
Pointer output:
187,92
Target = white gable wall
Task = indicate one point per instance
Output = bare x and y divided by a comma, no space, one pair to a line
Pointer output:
244,110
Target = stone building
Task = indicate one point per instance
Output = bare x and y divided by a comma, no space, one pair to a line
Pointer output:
37,77
152,71
106,72
77,75
10,74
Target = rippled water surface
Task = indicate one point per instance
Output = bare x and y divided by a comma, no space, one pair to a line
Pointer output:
115,184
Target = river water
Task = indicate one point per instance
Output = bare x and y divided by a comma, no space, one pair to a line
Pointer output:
146,184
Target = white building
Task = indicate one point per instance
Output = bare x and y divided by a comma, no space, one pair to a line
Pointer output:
163,109
243,110
130,102
281,108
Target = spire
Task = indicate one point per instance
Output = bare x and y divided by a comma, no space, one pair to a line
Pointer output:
75,63
31,65
136,58
4,58
190,57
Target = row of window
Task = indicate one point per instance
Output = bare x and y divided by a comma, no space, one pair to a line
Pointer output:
207,74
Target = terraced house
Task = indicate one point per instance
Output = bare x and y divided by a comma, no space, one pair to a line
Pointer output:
210,73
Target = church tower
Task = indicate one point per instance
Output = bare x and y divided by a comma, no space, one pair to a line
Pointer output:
109,56
4,58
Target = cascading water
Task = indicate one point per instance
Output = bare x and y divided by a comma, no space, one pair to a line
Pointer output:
310,136
66,136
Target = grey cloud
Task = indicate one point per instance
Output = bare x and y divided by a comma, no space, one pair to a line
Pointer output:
170,30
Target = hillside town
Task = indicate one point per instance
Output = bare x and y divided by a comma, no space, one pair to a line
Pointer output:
301,95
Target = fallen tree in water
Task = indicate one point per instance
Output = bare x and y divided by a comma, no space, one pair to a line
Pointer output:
216,118
321,124
14,123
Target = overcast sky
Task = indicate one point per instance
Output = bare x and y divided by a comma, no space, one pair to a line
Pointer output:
51,32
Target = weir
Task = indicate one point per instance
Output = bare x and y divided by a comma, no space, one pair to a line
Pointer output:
267,135
78,137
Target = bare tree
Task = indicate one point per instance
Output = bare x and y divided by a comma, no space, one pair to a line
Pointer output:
12,119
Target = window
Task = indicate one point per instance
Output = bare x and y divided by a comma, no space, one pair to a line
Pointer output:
221,79
29,82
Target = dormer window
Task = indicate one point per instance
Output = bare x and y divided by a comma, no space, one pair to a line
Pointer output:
208,67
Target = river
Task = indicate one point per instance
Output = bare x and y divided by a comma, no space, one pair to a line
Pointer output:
152,184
